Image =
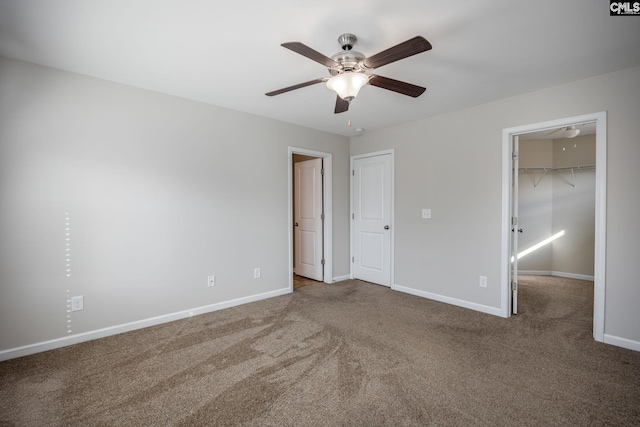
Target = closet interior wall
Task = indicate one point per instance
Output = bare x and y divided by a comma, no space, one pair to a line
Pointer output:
560,199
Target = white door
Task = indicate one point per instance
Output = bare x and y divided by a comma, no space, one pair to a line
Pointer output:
307,201
372,219
514,226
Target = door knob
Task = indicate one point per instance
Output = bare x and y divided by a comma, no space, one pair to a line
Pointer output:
386,227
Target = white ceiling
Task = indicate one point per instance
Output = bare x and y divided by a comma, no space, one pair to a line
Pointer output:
228,53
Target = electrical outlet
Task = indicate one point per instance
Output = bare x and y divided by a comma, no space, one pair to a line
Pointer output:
211,281
77,303
256,273
483,281
426,213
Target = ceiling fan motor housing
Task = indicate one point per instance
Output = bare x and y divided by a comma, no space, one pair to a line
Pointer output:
348,59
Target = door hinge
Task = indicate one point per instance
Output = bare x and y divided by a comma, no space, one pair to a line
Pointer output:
514,286
514,155
322,217
322,171
322,261
353,216
353,172
353,259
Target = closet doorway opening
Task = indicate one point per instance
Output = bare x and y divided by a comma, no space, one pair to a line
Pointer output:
554,216
310,229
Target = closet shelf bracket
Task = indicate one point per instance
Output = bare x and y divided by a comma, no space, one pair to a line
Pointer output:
535,184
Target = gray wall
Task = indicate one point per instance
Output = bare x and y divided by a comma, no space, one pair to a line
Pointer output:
452,164
160,191
574,207
555,205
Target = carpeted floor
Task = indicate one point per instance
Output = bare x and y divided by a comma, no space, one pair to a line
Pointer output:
348,354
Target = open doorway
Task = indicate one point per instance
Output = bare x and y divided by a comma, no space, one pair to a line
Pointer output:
512,225
310,229
556,226
556,197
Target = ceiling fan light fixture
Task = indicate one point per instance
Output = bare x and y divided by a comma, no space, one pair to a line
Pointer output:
347,84
571,132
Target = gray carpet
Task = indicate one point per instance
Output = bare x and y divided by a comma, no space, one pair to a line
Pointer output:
348,354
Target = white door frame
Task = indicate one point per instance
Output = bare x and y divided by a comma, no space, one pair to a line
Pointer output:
515,196
327,195
392,219
600,119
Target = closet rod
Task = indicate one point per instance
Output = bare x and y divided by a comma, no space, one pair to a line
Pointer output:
546,170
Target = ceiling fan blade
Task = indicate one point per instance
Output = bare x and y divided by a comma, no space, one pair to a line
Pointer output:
341,105
403,50
554,131
305,50
298,86
397,86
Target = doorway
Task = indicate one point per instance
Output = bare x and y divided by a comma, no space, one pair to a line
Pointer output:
510,219
556,224
319,244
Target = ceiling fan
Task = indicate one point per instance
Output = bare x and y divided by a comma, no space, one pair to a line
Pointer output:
567,132
349,68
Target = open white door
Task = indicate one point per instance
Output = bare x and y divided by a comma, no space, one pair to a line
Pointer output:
308,219
371,218
514,226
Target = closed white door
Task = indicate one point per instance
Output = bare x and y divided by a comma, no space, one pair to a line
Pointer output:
372,219
307,213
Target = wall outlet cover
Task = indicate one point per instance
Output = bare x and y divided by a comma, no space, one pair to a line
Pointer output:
483,281
77,303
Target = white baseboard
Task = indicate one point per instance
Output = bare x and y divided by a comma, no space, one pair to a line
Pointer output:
453,301
127,327
534,273
622,342
341,278
572,276
556,274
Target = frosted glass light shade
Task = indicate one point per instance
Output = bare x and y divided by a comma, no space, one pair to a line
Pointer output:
571,132
348,84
